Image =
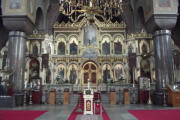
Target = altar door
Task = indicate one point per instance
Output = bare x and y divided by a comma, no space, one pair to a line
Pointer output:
90,72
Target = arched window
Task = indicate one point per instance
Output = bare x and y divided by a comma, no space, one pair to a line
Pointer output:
39,20
35,50
61,48
73,75
73,48
119,72
117,48
106,48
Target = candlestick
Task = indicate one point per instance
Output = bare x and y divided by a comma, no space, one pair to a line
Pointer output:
149,83
88,84
90,4
149,100
163,83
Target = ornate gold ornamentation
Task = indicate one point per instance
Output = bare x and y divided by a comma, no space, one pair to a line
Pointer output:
109,8
139,35
88,105
36,36
79,25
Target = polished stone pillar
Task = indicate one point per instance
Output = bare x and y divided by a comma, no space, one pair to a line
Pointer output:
16,55
164,63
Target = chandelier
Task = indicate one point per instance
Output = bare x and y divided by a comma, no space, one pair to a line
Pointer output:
104,8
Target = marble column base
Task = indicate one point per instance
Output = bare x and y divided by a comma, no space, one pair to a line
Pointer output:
19,99
158,98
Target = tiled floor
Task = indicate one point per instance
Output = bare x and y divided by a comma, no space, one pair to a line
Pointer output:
61,112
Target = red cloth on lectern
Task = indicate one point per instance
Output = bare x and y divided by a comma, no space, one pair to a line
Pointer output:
97,108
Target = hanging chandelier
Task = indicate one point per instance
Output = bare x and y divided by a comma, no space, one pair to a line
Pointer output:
106,8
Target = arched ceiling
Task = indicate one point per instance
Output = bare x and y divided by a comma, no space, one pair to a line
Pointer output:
52,15
39,20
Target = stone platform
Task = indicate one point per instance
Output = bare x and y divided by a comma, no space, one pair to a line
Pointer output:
89,117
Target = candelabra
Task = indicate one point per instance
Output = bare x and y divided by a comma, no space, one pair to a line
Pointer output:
106,8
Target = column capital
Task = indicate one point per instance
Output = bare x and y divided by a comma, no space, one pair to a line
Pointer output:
18,23
162,32
17,33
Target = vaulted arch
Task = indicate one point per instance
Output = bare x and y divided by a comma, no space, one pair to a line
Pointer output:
39,22
140,19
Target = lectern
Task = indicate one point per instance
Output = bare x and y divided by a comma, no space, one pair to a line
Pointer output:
88,101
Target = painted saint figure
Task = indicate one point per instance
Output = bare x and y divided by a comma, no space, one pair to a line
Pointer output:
35,50
118,73
106,75
90,35
48,47
60,76
106,48
73,48
73,76
164,3
15,4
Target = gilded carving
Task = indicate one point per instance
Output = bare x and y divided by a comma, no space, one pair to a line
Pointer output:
94,55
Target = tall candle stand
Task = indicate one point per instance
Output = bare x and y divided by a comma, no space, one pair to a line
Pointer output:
149,99
164,94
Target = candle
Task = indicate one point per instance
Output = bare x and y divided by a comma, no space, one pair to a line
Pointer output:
7,62
69,10
88,83
149,83
163,84
90,4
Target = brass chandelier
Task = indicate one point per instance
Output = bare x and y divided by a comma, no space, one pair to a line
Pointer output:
104,8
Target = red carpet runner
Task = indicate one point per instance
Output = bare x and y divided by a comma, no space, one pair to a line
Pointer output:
19,114
80,104
74,114
156,114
